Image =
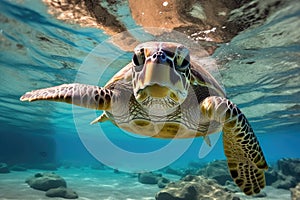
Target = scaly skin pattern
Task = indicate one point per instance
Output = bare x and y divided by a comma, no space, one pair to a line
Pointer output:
245,158
88,96
160,94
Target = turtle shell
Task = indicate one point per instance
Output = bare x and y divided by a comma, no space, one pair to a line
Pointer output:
185,122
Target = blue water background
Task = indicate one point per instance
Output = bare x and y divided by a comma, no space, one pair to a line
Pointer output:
39,51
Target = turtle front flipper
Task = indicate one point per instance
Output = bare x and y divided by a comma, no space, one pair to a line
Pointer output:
88,96
246,161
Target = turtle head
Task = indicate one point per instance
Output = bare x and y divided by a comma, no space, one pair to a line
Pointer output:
161,74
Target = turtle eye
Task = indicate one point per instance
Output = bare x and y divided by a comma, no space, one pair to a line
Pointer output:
138,58
182,63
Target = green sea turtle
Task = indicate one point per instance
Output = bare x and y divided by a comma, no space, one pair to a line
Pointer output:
162,93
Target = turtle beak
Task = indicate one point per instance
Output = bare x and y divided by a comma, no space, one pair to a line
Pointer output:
159,80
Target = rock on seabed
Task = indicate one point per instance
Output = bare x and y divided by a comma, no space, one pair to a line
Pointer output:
4,168
194,188
62,192
46,181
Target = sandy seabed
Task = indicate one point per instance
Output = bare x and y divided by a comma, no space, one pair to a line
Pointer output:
99,184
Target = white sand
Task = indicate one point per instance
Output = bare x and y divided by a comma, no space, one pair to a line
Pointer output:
88,183
98,185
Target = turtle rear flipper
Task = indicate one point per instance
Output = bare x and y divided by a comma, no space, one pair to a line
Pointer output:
101,118
245,158
79,94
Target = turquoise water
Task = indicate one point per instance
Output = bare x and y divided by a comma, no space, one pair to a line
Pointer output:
39,51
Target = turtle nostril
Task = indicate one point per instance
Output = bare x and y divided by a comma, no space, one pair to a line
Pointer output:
159,56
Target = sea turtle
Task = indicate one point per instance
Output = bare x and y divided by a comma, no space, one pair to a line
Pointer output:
162,93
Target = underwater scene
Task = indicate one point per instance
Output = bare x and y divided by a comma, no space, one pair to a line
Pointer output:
149,99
